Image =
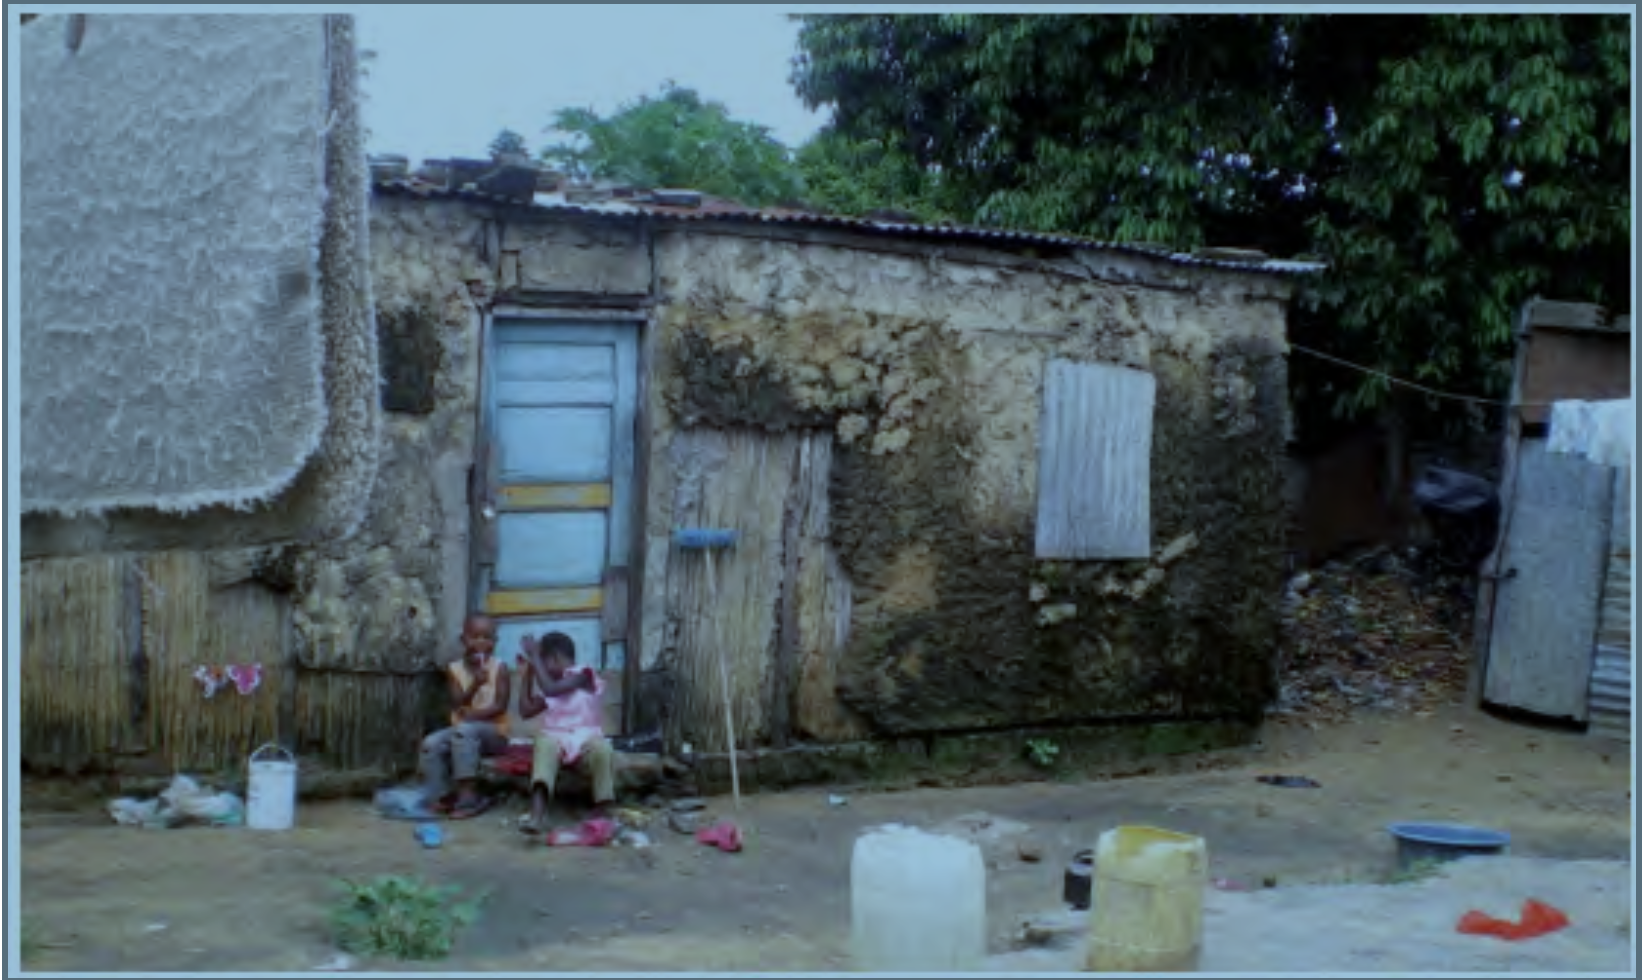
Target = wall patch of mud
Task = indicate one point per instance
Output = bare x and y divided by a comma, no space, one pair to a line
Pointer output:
411,352
1010,641
930,375
865,375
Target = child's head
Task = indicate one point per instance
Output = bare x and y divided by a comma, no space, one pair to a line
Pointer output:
479,637
559,654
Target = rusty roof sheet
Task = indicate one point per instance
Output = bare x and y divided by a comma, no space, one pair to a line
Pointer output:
715,209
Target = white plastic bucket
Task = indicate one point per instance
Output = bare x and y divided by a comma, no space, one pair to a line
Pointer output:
271,791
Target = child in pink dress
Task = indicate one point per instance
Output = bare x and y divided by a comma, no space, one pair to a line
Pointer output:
569,699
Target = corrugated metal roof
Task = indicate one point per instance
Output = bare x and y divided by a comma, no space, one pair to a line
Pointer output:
713,210
1610,697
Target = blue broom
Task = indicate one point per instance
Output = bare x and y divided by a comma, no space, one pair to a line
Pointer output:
708,541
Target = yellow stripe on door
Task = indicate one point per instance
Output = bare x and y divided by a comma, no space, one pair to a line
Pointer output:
525,602
556,496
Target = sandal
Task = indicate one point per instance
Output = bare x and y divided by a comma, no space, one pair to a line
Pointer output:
468,811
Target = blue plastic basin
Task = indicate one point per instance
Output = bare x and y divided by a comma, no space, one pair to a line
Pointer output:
1444,842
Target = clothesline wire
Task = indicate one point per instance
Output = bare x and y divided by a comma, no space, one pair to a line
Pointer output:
1434,392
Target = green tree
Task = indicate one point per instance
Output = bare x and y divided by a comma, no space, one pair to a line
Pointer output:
1448,167
508,141
858,177
676,139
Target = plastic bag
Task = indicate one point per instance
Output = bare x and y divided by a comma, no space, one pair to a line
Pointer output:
1602,432
1537,919
1454,492
182,788
219,809
403,803
187,801
128,812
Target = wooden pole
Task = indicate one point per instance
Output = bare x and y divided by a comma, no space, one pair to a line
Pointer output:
1484,616
725,688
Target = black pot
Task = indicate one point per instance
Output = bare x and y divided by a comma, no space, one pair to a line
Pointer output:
1076,880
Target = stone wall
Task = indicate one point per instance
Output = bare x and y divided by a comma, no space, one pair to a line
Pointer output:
390,597
895,389
926,367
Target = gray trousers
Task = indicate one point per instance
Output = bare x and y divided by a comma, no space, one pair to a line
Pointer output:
455,753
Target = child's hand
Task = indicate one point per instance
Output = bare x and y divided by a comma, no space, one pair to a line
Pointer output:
585,677
528,646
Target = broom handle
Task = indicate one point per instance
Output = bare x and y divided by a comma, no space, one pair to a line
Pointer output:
725,687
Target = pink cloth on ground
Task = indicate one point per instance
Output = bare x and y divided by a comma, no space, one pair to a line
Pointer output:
575,719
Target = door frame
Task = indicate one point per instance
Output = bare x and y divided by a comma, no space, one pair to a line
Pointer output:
483,474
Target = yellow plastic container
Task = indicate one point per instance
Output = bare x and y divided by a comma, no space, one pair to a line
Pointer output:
1147,902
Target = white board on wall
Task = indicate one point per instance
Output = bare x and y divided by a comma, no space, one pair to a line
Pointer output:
1095,463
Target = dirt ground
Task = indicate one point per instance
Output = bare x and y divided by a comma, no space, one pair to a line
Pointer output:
97,897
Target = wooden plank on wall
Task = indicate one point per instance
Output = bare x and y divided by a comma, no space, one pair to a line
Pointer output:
1566,365
823,594
526,602
1573,316
1095,461
786,668
555,496
613,613
639,541
485,476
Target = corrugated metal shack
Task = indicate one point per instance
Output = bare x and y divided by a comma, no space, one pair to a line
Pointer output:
1554,634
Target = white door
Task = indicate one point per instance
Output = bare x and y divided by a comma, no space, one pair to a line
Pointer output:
554,498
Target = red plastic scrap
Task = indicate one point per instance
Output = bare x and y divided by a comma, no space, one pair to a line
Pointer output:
591,833
1537,919
724,836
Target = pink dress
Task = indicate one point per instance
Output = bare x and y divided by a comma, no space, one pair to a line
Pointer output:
575,719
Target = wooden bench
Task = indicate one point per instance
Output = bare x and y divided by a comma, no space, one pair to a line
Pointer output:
637,775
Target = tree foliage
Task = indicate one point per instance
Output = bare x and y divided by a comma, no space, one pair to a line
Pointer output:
676,139
1448,167
857,177
507,142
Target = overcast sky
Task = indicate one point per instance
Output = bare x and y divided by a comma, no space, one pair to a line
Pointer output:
446,79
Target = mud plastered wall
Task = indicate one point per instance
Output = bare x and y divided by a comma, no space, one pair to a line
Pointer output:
388,597
927,371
